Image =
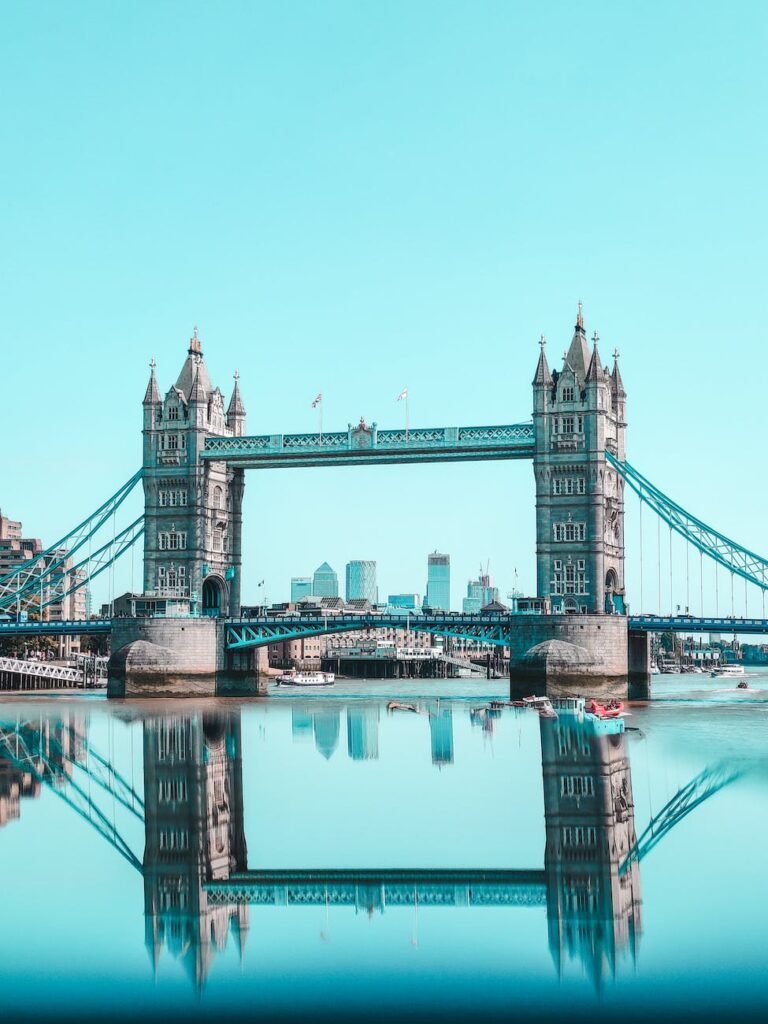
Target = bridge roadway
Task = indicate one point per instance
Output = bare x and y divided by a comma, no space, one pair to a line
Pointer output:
489,627
486,627
378,887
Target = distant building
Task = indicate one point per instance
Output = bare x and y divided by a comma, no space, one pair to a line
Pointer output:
480,592
439,582
361,581
408,601
301,586
10,529
325,582
15,550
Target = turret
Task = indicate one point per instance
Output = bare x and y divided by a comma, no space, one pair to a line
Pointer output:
236,409
152,400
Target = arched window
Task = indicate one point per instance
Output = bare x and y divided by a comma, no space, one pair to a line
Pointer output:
218,497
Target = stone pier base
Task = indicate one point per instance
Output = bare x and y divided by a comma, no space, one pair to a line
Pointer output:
560,655
639,652
178,657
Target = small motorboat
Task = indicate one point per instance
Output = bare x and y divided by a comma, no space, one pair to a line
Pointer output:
743,685
610,710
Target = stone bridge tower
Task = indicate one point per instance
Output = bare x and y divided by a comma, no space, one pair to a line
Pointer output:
578,413
192,508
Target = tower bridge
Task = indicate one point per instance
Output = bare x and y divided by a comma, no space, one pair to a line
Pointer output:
195,455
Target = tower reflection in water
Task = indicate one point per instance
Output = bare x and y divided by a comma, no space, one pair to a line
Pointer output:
193,795
593,886
198,887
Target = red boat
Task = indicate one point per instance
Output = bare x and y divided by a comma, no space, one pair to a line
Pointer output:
610,710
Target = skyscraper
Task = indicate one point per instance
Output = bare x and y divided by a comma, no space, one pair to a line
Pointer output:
325,582
439,582
301,586
480,592
361,581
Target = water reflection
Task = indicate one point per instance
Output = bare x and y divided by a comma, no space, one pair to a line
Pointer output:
193,788
198,887
197,884
593,885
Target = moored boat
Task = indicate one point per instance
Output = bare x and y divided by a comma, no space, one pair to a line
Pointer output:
306,679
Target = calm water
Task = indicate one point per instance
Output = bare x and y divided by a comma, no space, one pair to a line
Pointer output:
303,856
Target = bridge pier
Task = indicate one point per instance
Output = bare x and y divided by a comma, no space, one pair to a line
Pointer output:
179,657
559,655
639,657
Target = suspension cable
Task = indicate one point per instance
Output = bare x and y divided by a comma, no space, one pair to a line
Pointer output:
642,603
687,578
701,582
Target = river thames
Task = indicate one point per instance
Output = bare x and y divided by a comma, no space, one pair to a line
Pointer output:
326,856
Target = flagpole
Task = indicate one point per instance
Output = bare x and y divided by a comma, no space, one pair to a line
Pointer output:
406,417
321,422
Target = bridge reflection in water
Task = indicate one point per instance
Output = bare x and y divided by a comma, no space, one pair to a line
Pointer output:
198,888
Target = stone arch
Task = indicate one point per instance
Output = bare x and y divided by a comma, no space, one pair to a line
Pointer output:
214,593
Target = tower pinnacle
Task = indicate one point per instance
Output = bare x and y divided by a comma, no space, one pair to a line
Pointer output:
152,394
194,344
580,316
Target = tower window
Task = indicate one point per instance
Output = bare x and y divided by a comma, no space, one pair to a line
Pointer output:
569,531
172,541
567,395
173,412
567,424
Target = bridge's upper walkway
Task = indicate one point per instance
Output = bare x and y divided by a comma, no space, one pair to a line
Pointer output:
367,445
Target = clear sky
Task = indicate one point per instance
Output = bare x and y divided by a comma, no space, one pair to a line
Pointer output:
358,197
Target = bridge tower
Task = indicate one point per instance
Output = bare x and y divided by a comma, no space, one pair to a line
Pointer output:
578,413
192,508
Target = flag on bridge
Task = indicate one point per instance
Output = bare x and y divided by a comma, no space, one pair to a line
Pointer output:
403,394
317,400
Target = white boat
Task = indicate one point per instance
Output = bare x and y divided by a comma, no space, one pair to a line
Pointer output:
306,679
729,671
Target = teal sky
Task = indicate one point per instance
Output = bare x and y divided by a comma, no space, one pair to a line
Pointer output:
356,197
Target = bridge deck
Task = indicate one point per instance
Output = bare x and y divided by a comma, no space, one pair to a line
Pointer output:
59,627
370,446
